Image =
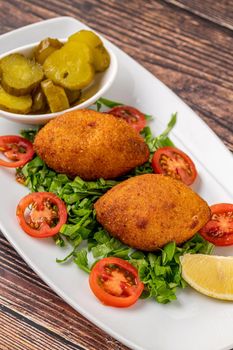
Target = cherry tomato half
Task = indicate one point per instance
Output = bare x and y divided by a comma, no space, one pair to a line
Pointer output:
41,214
17,149
115,282
131,115
219,229
175,163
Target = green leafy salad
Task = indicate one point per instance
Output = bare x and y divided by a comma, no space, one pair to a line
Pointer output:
160,271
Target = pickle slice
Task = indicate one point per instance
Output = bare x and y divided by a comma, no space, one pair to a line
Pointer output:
73,95
87,37
45,48
20,75
101,58
55,96
38,101
71,66
100,54
15,104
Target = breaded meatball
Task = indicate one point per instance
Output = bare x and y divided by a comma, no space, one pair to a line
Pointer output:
148,211
90,144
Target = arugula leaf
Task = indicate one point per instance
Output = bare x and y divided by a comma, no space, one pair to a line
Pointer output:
107,103
29,134
76,243
101,237
148,117
66,258
101,250
59,241
137,255
170,126
80,259
168,252
162,140
109,247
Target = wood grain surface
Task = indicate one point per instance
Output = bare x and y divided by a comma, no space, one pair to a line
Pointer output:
186,44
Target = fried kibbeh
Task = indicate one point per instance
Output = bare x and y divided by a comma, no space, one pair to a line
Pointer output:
91,145
148,211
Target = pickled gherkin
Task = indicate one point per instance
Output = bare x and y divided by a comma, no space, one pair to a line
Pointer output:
38,101
87,37
71,66
46,48
73,95
101,58
20,75
55,96
15,104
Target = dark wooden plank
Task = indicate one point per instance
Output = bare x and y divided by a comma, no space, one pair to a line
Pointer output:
39,307
219,12
19,333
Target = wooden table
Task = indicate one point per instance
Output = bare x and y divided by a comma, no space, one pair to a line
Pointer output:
186,44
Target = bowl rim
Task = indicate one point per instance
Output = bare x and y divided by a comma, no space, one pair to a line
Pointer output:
39,118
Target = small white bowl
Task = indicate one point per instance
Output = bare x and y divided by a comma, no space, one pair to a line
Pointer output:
99,86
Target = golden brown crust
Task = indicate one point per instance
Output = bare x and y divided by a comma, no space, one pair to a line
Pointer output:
90,144
148,211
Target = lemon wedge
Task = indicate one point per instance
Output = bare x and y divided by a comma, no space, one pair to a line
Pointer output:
209,274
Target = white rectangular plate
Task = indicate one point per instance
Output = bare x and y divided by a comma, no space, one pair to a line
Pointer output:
193,321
